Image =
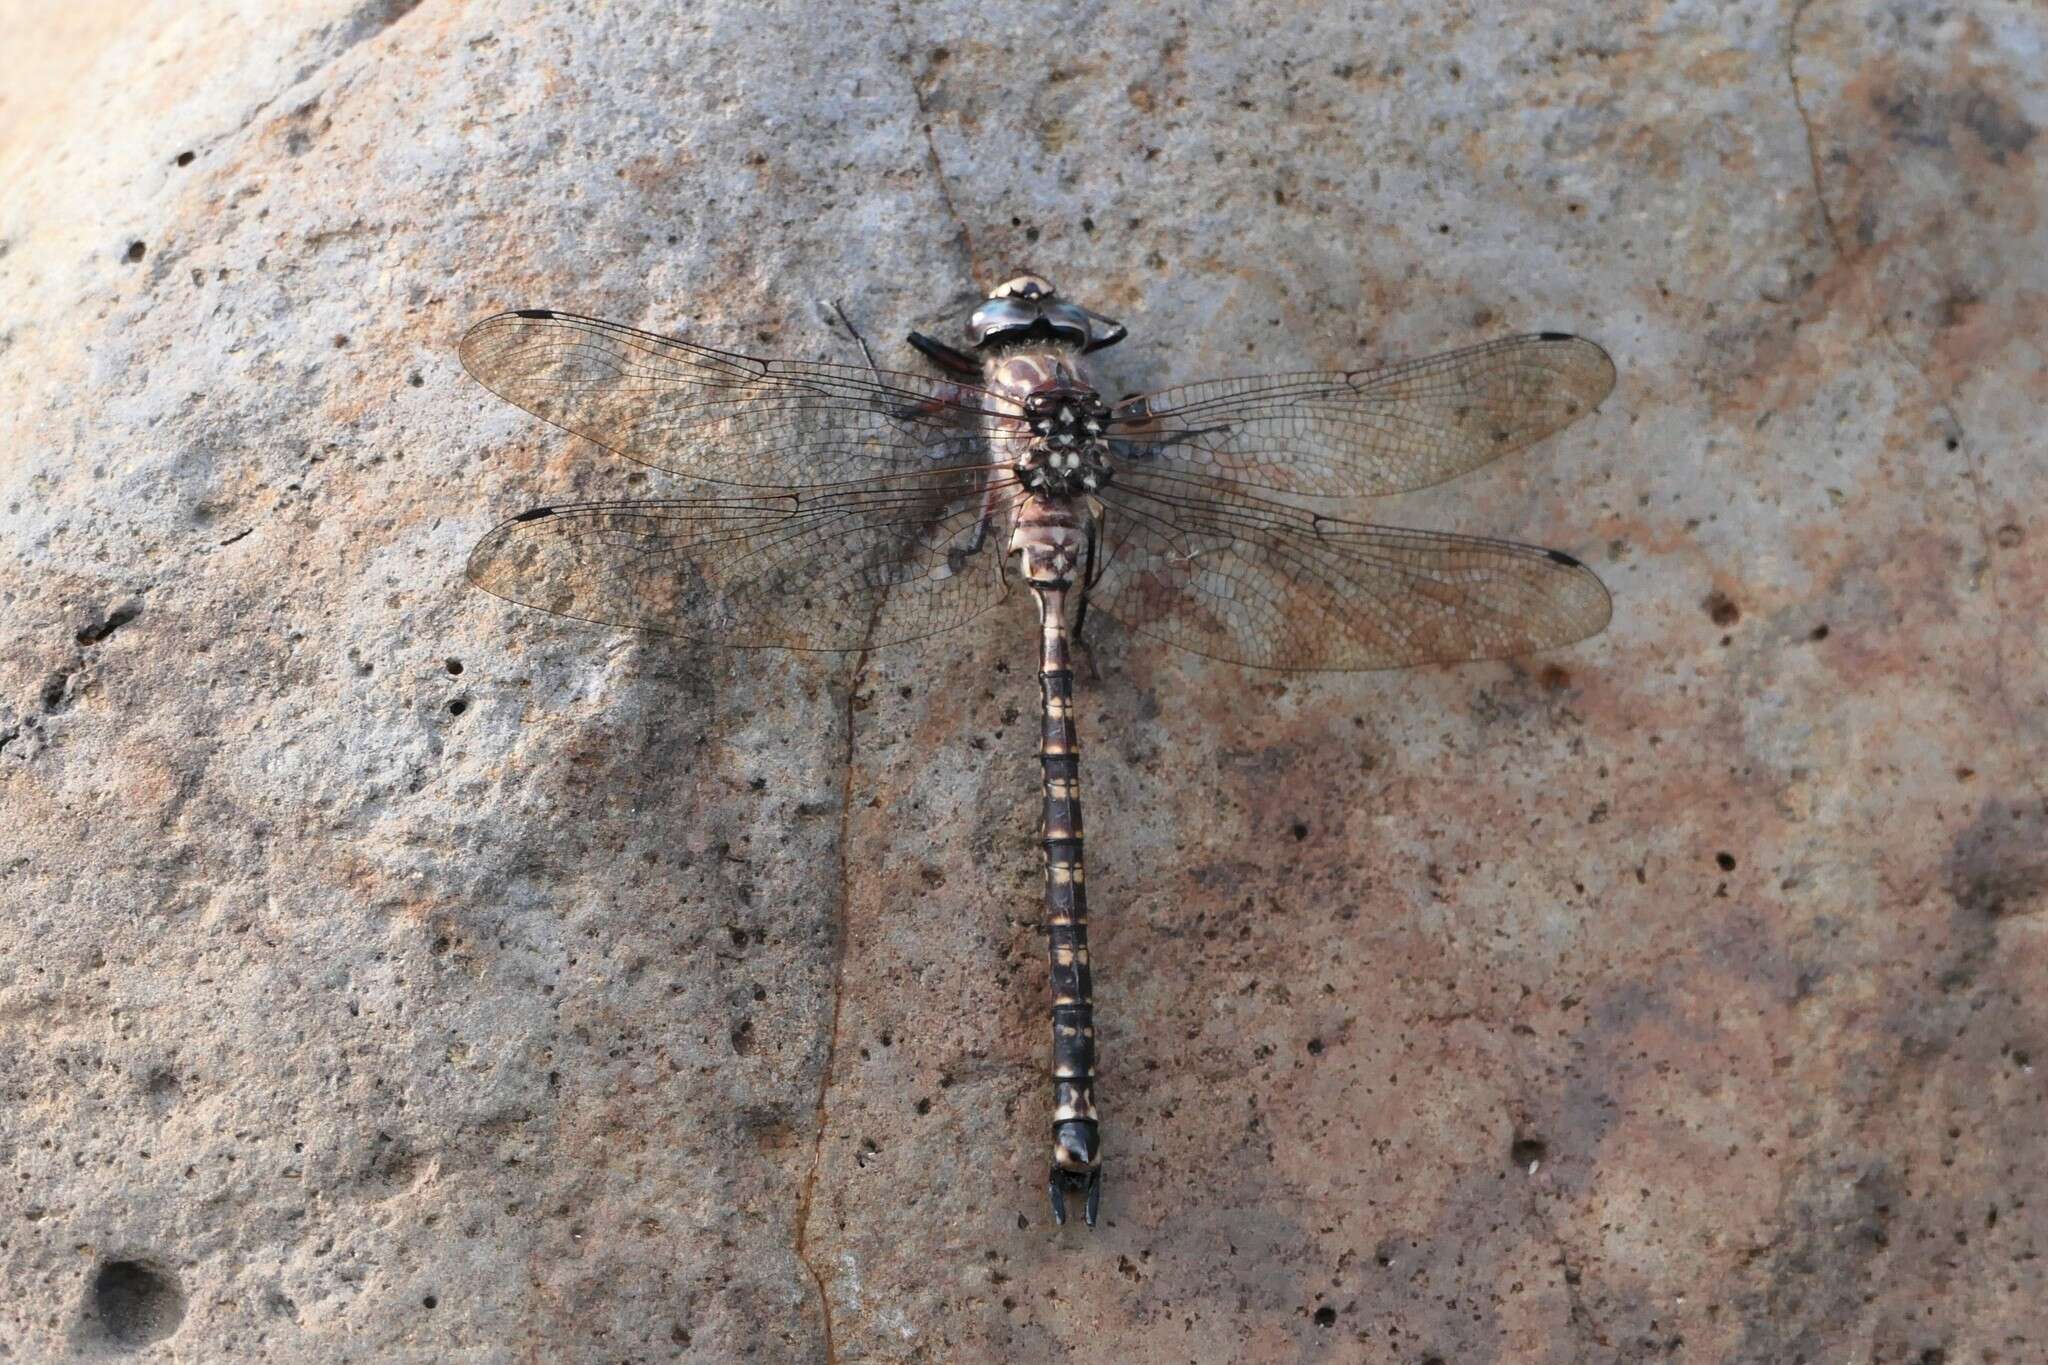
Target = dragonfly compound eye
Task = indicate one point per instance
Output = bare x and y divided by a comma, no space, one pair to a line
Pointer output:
1023,287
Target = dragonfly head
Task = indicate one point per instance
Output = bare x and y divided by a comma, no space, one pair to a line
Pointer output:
1028,310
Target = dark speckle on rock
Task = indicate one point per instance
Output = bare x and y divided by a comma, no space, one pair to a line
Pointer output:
1998,125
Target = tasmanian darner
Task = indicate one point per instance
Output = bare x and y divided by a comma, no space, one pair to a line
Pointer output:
861,507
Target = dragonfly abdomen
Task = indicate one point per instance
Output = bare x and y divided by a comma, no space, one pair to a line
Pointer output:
1076,1145
1050,537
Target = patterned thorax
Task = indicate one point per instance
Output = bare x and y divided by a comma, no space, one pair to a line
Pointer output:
1067,454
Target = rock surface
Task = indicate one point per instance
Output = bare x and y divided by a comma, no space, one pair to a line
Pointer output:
390,974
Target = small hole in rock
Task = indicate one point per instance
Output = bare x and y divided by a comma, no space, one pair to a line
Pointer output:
135,252
1722,610
457,707
1326,1316
136,1303
185,158
1725,861
1819,632
430,1302
1528,1151
455,666
1300,831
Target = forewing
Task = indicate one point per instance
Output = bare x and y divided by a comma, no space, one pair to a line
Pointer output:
848,567
1253,582
1366,433
718,416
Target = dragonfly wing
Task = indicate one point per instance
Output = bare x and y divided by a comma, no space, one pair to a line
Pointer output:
840,568
719,416
1223,574
1366,433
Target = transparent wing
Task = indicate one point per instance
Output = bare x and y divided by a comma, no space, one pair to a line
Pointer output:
845,567
1365,433
1216,571
726,418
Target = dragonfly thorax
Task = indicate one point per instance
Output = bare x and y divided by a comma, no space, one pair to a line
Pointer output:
1067,453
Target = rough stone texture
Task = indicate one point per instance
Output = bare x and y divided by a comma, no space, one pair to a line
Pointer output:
391,974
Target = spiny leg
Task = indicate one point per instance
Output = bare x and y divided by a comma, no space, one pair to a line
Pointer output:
857,337
948,358
1090,572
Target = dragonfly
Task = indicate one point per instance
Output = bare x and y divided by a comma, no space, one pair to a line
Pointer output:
852,507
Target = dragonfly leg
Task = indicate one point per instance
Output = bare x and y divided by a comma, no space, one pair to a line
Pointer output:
948,358
857,337
1091,571
987,519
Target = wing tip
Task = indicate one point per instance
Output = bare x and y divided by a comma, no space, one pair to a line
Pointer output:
483,556
485,326
1602,374
1601,603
